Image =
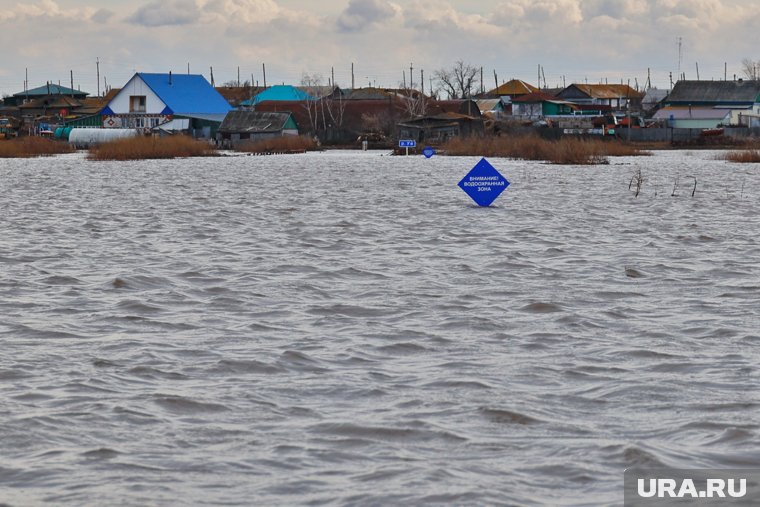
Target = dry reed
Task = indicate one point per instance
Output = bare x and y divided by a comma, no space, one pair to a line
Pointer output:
139,148
744,156
26,147
281,144
567,150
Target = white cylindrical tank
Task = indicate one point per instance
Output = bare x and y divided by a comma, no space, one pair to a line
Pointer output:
86,137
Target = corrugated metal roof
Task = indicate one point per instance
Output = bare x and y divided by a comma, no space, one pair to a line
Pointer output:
607,91
715,91
278,93
513,87
186,93
253,121
488,104
535,97
51,89
691,113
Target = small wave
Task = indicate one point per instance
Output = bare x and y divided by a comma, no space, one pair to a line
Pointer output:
384,433
458,384
250,366
183,405
61,280
503,416
404,348
102,453
541,308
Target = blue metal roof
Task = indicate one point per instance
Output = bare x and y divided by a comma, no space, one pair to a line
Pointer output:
278,92
186,93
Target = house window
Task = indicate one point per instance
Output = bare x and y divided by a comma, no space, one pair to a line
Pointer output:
137,103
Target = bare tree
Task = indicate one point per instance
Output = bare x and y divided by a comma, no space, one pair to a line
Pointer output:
312,83
751,68
458,81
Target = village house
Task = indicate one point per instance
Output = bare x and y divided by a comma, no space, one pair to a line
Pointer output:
709,104
506,93
242,126
444,119
539,105
617,97
148,101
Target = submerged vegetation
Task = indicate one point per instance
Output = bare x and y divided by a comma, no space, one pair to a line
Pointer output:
139,148
282,144
567,150
26,147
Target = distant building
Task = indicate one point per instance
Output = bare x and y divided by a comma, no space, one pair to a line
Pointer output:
42,93
741,99
618,97
693,117
538,105
149,100
512,88
279,93
444,119
242,126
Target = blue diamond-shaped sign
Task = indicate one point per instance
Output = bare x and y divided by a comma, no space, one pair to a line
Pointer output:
483,183
428,151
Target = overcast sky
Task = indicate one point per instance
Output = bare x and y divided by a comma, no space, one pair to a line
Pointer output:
573,40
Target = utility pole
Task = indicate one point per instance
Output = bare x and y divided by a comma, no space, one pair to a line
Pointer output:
496,79
238,82
212,75
725,71
352,75
404,77
264,70
72,83
422,81
332,75
697,64
481,80
539,76
188,68
97,67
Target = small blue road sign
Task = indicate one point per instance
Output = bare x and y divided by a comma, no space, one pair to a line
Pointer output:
483,183
407,143
428,151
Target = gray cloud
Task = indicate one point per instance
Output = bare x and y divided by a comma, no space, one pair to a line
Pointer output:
362,13
162,13
102,15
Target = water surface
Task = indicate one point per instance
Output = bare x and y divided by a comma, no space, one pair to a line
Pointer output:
347,328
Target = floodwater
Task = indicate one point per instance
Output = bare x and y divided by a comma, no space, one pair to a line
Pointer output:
348,328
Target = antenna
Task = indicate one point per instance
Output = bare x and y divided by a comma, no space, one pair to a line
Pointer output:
680,54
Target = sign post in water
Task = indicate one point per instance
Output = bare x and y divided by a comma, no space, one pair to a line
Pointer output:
407,143
483,183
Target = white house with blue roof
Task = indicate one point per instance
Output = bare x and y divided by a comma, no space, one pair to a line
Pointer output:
150,100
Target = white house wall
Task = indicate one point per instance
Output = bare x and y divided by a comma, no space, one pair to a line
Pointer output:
136,86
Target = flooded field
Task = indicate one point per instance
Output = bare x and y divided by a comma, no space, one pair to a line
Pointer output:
347,328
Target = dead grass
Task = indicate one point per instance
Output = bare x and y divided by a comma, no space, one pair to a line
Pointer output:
26,147
282,144
744,156
139,148
567,150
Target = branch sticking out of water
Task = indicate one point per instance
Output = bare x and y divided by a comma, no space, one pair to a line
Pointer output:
675,186
695,185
